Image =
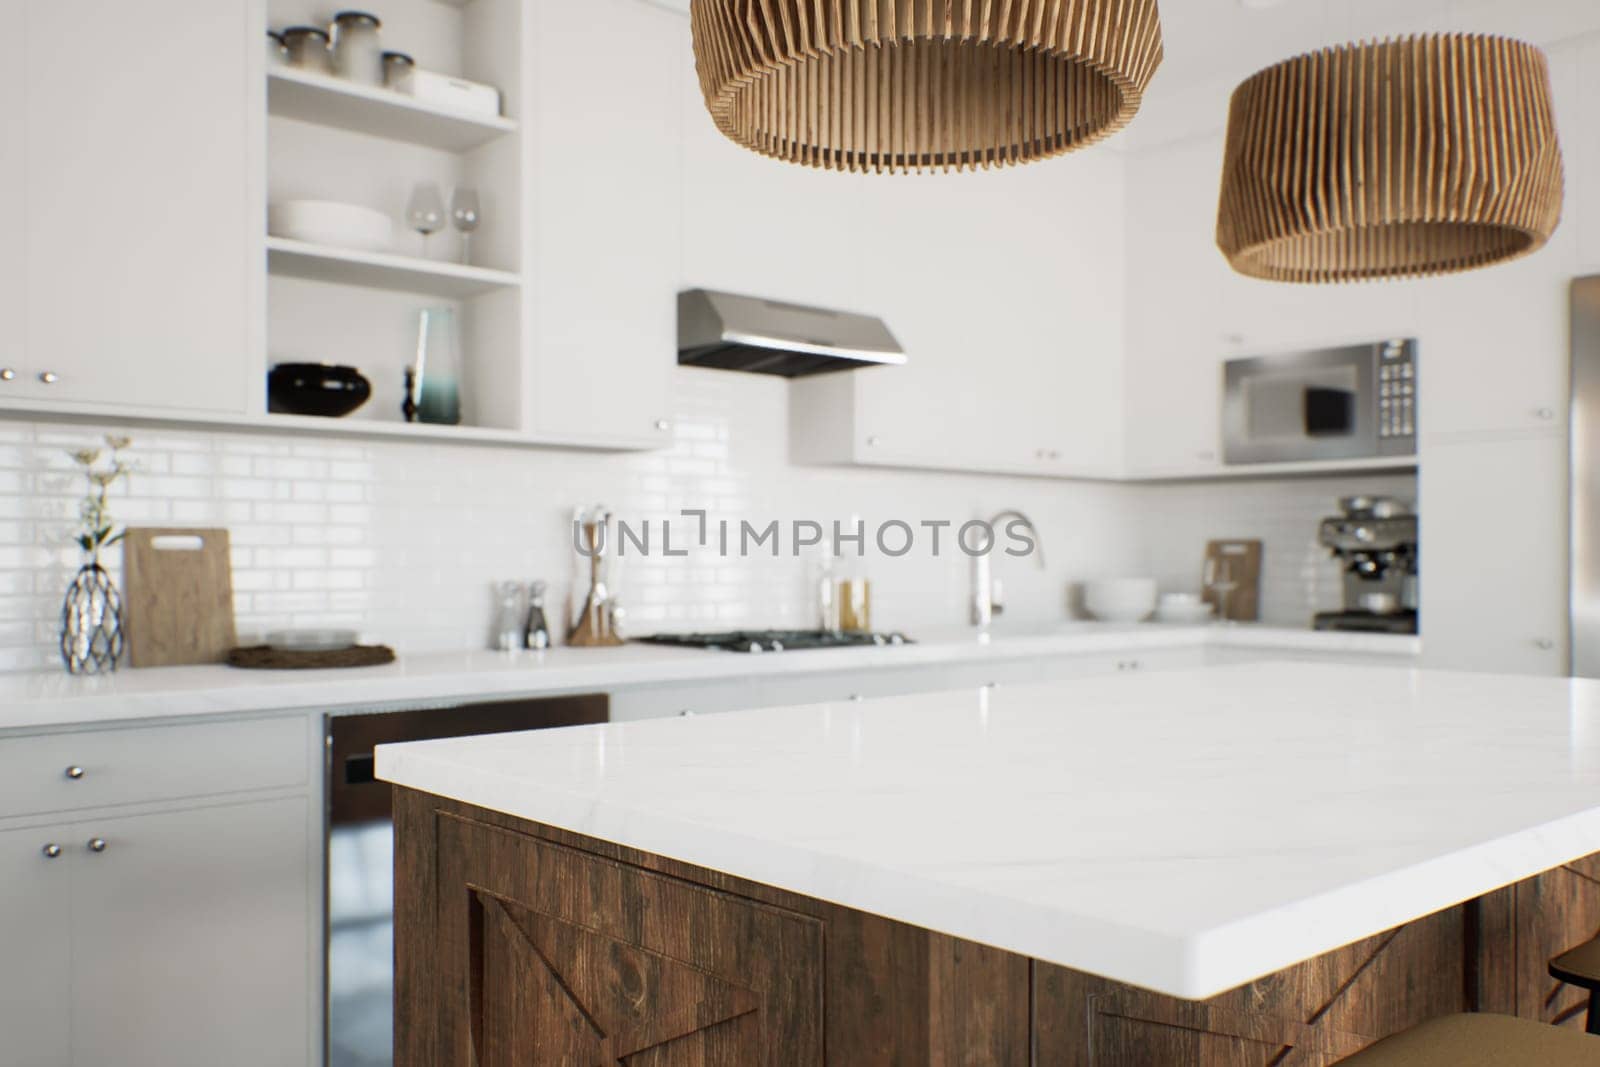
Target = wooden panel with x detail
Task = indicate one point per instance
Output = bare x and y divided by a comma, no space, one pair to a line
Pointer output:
549,992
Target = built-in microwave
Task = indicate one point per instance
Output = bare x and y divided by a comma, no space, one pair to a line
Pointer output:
1355,402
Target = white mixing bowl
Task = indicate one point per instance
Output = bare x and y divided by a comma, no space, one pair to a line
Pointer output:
1120,599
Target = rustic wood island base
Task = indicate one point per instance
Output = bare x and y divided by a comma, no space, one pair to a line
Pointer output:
520,944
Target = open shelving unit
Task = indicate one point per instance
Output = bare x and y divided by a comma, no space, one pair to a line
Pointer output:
382,270
332,139
329,101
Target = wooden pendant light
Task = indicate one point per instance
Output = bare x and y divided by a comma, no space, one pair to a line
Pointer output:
1426,155
896,85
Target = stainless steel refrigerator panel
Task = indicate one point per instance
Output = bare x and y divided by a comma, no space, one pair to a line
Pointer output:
1586,477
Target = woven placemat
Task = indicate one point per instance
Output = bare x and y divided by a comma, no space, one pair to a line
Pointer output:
266,658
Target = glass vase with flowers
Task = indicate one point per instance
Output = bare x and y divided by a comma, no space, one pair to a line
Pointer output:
91,615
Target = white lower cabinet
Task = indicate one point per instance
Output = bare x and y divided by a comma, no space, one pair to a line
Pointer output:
704,698
160,936
188,937
35,961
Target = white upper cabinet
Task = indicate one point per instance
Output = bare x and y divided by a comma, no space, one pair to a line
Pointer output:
1495,351
1583,153
1177,329
1494,355
134,207
605,202
13,254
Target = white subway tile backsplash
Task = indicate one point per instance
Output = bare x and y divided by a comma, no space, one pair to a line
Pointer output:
402,540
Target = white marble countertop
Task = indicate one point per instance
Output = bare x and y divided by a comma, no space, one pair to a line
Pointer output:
1185,832
50,699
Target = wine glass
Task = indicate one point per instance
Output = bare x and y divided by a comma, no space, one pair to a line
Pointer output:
464,213
425,212
1219,578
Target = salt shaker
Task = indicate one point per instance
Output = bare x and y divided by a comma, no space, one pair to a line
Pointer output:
507,634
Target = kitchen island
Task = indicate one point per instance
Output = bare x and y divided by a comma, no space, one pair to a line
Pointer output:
1254,865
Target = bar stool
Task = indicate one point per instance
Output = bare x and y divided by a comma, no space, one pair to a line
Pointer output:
1581,967
1481,1041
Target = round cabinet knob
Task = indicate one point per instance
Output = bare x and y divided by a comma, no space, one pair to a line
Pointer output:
48,377
97,844
51,851
1544,644
7,374
663,425
74,772
1544,414
872,442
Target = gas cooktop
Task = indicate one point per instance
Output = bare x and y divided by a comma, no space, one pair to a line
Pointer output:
775,640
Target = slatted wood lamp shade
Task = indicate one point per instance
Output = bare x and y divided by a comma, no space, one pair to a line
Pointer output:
895,85
1426,155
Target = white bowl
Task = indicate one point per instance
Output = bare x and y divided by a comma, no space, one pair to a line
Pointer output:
329,222
1120,599
312,640
1186,614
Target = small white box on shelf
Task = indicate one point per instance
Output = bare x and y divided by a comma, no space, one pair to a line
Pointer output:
456,94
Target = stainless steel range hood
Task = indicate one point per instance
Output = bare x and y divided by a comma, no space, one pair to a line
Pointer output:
747,333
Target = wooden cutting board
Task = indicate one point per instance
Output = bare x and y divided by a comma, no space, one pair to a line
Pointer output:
179,596
1242,561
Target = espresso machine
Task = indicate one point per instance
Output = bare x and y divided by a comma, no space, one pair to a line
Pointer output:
1375,540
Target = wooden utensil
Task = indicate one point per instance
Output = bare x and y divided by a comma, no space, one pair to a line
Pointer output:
1238,564
180,596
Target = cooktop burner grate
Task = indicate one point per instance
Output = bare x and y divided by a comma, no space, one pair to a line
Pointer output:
775,640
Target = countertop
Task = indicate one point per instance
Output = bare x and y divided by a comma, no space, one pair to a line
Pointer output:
1185,832
50,699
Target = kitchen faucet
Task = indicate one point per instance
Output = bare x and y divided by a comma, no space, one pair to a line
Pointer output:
988,598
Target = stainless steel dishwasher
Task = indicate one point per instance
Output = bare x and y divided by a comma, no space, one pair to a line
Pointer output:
359,941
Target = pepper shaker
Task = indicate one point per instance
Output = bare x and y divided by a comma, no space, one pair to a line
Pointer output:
536,634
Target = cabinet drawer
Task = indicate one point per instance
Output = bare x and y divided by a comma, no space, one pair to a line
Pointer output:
62,772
